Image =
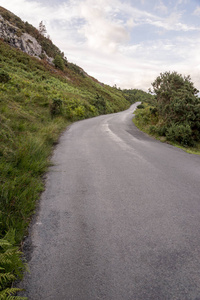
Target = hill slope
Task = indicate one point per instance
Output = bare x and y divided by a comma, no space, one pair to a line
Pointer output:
37,102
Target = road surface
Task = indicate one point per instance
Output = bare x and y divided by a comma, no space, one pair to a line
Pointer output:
119,218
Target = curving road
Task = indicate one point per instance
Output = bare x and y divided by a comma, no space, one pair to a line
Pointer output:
119,219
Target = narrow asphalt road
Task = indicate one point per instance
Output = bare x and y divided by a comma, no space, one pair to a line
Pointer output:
119,219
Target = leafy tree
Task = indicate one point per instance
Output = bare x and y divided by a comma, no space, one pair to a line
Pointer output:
59,63
178,105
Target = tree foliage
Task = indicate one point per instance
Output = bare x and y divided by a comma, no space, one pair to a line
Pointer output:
178,106
59,63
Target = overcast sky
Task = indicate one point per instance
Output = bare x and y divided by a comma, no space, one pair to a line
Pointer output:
123,42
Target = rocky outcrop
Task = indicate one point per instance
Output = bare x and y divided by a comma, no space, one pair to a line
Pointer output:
23,41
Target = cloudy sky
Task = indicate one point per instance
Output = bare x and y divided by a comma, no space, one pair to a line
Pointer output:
123,42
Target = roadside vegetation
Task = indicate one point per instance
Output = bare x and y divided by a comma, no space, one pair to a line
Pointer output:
173,113
37,102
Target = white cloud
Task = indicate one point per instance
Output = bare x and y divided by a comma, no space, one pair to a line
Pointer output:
182,2
31,10
160,7
197,11
171,23
100,28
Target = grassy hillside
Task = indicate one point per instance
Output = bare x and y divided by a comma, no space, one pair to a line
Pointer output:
37,102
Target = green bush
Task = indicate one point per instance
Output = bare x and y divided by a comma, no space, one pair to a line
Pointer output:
140,106
76,110
178,106
161,130
145,117
181,133
100,103
153,129
4,77
56,107
153,111
79,112
59,63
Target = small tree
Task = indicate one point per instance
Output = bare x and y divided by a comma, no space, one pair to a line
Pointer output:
170,88
179,107
42,28
58,62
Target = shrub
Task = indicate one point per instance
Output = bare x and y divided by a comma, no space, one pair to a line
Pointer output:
100,103
76,109
79,112
153,111
178,105
161,130
59,63
181,133
4,77
140,106
56,107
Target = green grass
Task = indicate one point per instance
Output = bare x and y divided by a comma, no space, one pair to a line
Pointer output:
145,121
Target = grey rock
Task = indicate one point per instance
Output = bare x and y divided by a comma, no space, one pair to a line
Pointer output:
23,41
